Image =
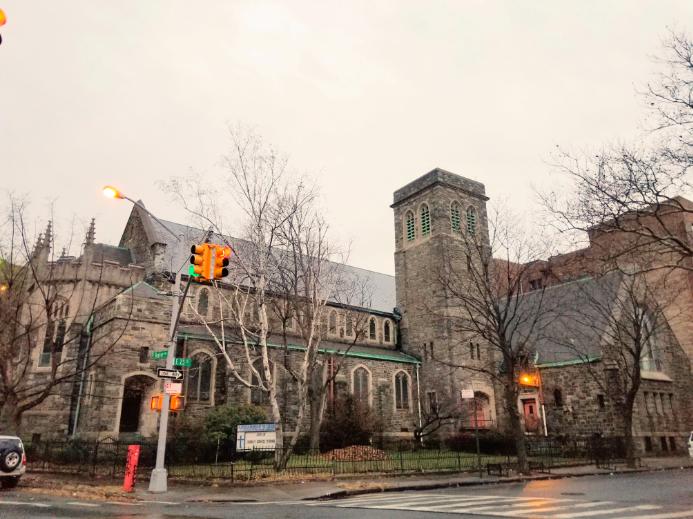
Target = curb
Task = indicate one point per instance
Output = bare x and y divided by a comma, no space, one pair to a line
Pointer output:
451,484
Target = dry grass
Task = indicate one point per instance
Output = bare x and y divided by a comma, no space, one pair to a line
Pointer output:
363,485
67,488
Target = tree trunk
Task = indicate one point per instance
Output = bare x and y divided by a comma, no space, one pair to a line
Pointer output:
10,418
628,430
516,430
317,406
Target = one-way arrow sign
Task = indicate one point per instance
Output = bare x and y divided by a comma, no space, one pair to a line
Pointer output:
170,373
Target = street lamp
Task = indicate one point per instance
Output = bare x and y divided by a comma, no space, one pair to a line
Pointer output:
157,481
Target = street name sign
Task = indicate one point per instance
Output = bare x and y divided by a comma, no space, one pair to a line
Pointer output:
258,436
174,388
158,355
170,373
186,363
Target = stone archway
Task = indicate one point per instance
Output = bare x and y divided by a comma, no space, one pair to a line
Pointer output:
135,413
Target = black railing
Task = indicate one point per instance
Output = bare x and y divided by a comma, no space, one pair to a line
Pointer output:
204,460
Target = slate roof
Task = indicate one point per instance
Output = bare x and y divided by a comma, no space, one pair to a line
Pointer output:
145,290
121,255
275,341
380,295
572,319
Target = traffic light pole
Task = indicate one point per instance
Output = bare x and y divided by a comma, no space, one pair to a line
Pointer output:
158,481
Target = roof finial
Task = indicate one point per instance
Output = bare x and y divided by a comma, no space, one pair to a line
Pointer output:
91,232
49,236
39,244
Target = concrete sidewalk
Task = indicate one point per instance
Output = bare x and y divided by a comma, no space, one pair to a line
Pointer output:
334,489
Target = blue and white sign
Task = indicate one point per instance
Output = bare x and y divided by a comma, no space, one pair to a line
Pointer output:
255,436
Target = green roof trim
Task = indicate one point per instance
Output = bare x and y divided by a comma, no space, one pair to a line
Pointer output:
588,360
145,283
404,358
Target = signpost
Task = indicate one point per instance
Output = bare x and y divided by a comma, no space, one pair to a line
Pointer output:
261,436
174,388
170,373
468,394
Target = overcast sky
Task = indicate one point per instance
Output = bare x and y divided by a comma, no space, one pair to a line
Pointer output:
371,93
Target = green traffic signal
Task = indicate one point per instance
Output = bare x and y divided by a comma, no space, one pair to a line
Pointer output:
191,271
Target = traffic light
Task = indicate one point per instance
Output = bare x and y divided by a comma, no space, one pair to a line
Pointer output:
221,260
177,403
200,261
157,402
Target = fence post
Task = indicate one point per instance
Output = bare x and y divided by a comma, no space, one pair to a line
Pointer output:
401,461
459,462
96,457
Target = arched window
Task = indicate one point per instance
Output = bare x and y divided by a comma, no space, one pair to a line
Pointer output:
471,221
649,356
349,325
257,395
455,218
203,302
411,228
361,384
200,378
371,329
401,390
386,331
333,322
425,221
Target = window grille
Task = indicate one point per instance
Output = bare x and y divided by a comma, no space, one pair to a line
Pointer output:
361,384
144,354
386,331
203,302
401,391
411,231
349,325
200,381
471,221
257,395
455,218
333,322
371,330
425,221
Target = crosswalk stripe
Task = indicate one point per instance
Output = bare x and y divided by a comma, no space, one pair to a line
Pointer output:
535,504
78,503
398,497
398,501
551,509
424,506
22,503
688,513
611,511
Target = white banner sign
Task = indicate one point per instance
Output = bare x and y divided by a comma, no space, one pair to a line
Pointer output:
256,436
468,394
174,388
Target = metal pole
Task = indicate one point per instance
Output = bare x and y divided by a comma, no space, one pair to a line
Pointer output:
476,432
418,398
157,482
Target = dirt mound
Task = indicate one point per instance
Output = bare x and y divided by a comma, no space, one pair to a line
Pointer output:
357,453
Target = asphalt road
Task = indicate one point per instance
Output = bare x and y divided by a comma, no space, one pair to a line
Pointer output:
655,495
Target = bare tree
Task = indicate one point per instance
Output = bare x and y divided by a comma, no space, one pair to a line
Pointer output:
632,188
283,264
44,344
624,314
486,280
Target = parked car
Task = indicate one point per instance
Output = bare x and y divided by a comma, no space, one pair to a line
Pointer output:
12,461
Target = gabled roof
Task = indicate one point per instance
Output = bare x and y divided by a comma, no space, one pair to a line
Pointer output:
572,319
145,290
381,296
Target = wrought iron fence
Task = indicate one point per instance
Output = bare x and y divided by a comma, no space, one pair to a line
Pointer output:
205,460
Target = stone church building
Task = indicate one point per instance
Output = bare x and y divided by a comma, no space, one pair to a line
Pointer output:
388,346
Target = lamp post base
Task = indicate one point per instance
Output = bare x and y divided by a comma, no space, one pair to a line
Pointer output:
157,482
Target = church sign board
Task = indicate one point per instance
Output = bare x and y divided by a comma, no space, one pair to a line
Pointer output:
259,436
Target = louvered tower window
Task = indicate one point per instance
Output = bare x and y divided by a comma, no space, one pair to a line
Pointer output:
471,221
425,221
411,232
455,218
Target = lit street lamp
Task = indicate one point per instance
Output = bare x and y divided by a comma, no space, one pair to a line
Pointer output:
157,482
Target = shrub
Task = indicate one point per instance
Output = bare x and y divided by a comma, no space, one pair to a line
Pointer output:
221,423
489,443
348,422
